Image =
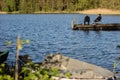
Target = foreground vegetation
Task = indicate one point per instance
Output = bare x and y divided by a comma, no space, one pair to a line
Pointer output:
24,68
32,6
29,71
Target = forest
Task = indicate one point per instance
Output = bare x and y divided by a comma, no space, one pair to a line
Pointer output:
32,6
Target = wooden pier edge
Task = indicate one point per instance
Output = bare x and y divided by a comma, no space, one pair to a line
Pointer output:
109,27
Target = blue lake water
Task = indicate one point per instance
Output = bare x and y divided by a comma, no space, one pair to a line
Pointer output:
52,33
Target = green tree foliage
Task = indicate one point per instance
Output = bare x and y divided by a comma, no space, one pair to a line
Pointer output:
31,6
4,73
29,71
113,4
27,6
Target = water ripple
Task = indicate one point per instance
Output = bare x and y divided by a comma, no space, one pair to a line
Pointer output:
52,33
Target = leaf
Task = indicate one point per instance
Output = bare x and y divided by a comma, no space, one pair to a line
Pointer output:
115,64
1,70
2,65
8,42
68,75
54,71
27,41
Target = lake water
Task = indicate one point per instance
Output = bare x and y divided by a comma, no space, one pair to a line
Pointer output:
52,33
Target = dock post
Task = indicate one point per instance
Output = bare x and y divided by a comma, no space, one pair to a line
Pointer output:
77,21
72,24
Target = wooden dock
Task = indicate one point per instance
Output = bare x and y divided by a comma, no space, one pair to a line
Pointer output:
97,27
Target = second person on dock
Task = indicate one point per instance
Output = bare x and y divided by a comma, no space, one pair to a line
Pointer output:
98,19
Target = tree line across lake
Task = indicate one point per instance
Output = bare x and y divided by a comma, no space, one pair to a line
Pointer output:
31,6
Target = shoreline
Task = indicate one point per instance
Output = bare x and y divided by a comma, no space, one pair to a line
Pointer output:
89,11
101,11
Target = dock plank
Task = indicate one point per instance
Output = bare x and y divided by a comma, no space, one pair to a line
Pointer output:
109,27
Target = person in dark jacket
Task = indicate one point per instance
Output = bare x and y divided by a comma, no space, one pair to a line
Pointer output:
98,19
87,19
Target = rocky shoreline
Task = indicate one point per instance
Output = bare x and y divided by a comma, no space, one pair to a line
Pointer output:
75,69
68,68
78,70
